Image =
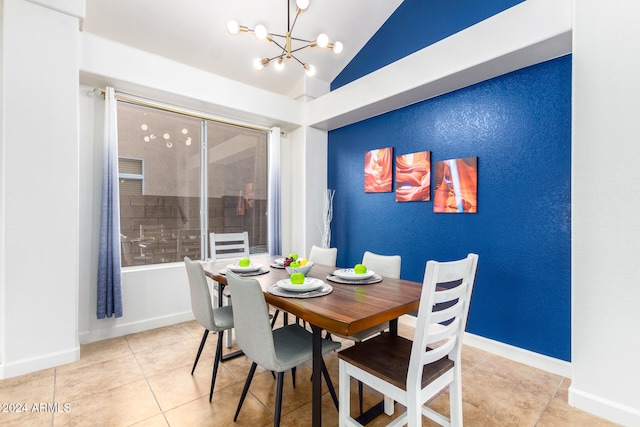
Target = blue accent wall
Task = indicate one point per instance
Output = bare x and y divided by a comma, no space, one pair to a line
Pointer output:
519,126
414,25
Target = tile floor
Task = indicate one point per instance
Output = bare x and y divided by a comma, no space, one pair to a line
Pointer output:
144,380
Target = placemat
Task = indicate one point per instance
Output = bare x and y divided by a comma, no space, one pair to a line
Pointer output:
376,278
278,291
274,265
258,272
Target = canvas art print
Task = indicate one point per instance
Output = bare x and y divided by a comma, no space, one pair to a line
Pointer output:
378,170
413,177
456,185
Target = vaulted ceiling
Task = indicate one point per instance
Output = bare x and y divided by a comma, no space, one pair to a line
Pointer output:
194,32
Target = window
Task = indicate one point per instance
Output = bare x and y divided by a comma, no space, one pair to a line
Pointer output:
131,174
174,167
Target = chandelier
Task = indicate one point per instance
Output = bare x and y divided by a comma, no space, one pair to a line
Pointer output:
285,42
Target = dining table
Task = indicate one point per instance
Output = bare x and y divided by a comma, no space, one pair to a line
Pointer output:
349,307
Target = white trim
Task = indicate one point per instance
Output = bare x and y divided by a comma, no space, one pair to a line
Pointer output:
114,331
536,360
604,408
33,364
73,8
528,33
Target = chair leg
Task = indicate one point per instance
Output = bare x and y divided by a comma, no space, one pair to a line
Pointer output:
247,383
276,419
275,316
344,409
229,339
327,379
360,395
216,361
455,398
229,334
204,340
293,376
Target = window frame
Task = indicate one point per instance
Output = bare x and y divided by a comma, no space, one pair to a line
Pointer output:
204,196
133,176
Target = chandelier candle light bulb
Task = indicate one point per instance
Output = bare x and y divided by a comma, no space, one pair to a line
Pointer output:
286,50
261,32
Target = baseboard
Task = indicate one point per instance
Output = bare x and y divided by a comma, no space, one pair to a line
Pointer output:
536,360
604,408
46,361
121,329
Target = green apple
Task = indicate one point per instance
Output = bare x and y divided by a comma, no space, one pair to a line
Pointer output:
359,269
244,262
294,256
297,278
294,264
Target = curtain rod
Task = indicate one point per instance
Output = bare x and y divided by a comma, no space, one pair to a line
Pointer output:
132,99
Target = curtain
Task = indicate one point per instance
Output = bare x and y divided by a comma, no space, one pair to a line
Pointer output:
109,264
273,205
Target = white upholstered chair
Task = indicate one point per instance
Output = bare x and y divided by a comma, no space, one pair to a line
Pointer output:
414,372
325,256
384,265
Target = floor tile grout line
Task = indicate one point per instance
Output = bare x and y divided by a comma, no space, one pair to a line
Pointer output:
553,395
146,379
55,377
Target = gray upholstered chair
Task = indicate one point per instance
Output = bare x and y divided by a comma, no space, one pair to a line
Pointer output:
275,350
212,319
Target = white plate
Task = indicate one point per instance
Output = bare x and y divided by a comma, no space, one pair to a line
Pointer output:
347,273
310,284
239,269
280,261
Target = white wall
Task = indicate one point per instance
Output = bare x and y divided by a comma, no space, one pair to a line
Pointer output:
304,180
40,176
605,225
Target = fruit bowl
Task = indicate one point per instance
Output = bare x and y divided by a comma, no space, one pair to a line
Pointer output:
304,269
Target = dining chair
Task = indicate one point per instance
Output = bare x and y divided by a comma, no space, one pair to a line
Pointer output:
275,350
228,245
326,256
217,319
385,266
413,372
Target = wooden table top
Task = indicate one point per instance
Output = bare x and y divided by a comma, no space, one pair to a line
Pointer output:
347,310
